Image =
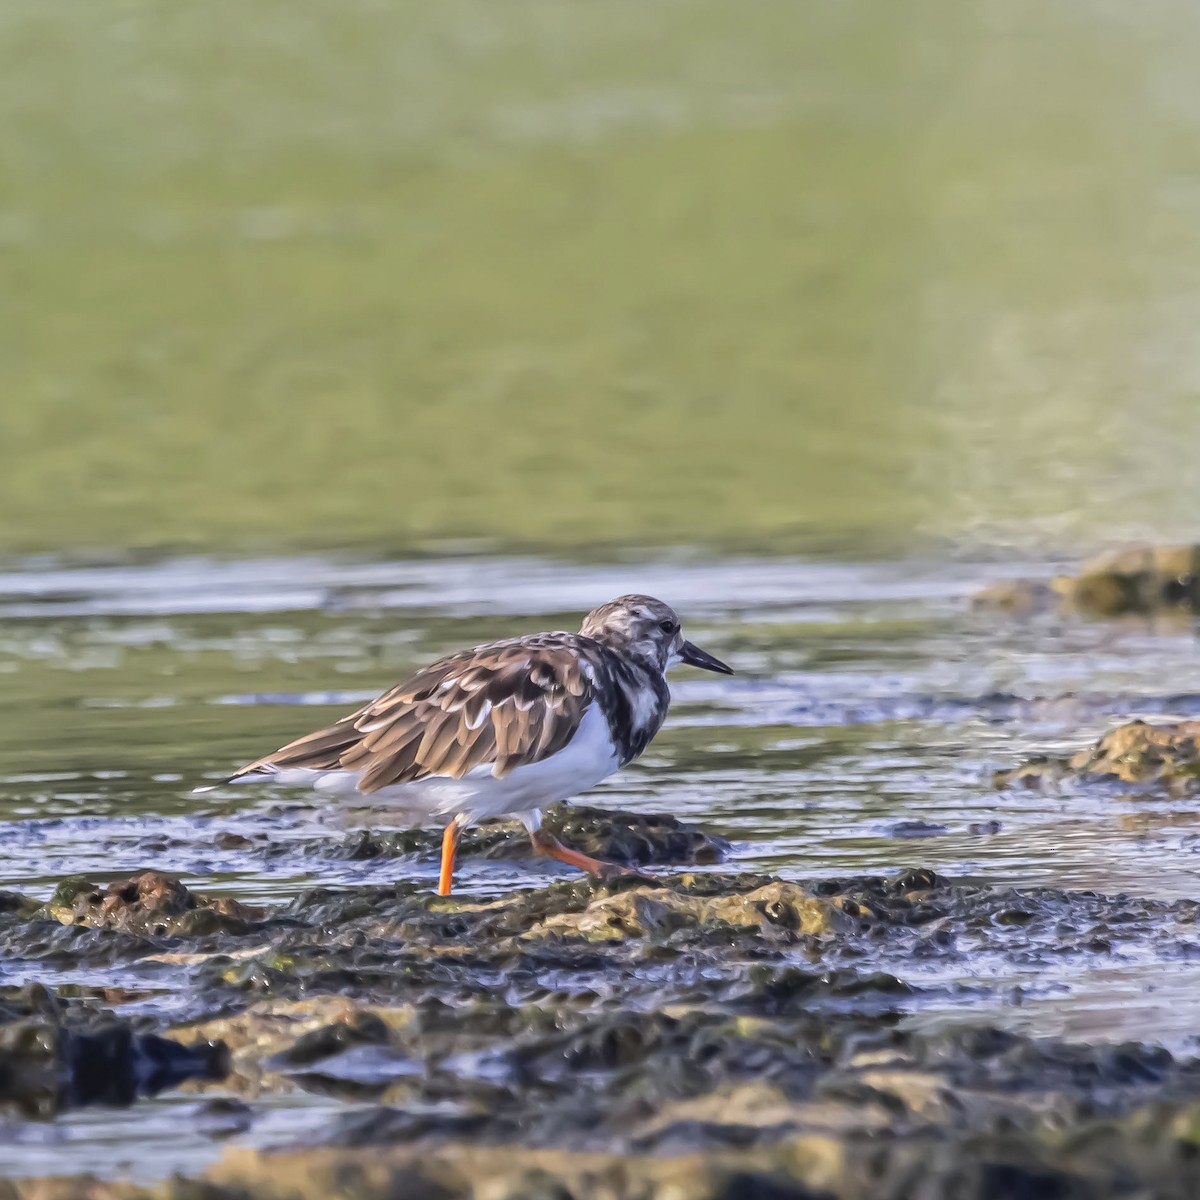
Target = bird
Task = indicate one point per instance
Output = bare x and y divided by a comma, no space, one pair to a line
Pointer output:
504,729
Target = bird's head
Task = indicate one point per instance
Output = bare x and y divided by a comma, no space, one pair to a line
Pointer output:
648,630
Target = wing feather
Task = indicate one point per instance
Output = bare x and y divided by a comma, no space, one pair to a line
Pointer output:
503,705
441,736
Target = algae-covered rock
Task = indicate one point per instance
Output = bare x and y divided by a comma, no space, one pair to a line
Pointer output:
1040,770
147,903
702,1035
625,838
1166,755
630,941
1137,580
580,939
1142,753
660,910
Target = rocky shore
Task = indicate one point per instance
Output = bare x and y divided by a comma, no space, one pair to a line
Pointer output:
710,1035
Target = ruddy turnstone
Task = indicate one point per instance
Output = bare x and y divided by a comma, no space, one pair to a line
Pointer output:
505,729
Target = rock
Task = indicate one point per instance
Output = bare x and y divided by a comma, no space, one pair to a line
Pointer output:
1039,771
626,838
1022,597
222,1117
918,829
703,1035
644,911
357,1029
1137,580
1142,753
271,1036
632,839
1167,755
1145,1152
231,841
145,904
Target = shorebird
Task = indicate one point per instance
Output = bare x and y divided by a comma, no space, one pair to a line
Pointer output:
505,729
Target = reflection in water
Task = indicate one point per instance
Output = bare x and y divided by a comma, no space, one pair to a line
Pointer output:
48,1068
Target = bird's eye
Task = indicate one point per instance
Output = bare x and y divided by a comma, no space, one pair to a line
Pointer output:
667,626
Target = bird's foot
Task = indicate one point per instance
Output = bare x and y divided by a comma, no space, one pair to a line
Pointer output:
606,872
551,847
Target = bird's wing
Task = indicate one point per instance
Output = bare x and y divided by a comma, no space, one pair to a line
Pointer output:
507,704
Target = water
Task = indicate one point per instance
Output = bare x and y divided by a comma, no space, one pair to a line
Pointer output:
869,709
844,274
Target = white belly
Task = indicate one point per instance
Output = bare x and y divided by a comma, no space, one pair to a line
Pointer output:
587,758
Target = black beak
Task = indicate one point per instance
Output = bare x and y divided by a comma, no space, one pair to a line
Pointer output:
695,657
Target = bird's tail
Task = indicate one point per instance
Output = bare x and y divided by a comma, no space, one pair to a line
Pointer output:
253,774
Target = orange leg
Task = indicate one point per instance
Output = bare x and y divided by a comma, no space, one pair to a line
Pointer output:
449,845
551,847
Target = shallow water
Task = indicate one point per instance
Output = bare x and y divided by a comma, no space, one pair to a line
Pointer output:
869,709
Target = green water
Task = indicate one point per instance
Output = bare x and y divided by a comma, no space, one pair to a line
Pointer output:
834,273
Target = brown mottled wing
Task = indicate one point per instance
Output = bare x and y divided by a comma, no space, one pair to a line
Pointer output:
506,704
